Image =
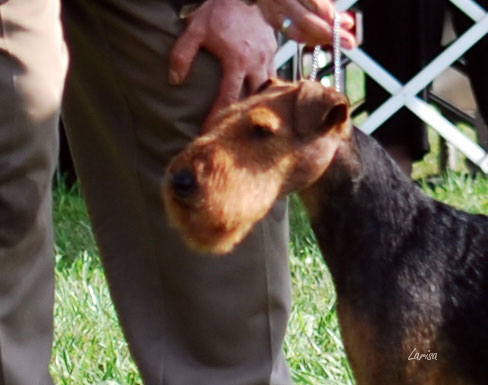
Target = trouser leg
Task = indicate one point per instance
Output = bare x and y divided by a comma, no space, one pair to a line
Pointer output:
32,68
189,319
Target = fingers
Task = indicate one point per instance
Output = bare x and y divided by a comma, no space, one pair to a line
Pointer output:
323,9
271,70
347,21
313,30
326,11
348,40
256,79
310,29
260,73
184,53
312,20
231,88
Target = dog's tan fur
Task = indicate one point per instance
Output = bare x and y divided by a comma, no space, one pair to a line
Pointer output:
240,172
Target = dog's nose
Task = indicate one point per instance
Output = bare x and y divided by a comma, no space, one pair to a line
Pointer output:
183,183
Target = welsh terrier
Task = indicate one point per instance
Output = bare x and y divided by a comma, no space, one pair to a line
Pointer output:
411,273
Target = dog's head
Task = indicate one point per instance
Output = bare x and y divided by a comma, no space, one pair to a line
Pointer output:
278,141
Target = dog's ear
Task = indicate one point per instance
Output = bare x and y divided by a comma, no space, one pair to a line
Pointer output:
319,109
269,83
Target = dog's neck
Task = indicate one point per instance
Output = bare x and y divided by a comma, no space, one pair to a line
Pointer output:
361,206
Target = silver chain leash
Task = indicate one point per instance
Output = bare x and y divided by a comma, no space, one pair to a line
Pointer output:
337,52
315,63
336,45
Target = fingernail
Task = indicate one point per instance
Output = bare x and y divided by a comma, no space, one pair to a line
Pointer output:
174,78
346,43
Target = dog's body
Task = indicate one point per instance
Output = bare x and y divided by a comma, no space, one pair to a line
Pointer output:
411,273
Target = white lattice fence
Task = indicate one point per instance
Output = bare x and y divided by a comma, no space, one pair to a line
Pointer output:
405,94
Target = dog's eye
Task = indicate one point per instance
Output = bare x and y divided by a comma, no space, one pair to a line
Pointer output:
260,131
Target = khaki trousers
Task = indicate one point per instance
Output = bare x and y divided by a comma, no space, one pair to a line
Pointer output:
33,63
189,319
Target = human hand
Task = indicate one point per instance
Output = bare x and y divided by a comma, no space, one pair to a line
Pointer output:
241,40
312,20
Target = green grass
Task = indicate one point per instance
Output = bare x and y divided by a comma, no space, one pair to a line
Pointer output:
90,349
313,345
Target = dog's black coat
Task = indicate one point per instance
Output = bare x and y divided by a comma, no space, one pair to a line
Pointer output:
403,260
